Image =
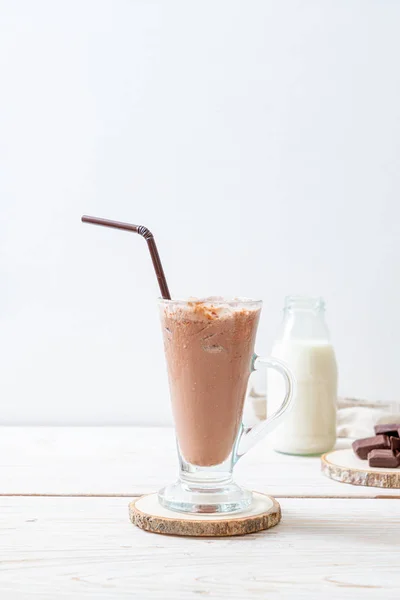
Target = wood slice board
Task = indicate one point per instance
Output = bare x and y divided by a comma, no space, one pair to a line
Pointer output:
148,514
346,467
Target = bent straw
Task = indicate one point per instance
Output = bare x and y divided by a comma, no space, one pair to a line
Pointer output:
148,236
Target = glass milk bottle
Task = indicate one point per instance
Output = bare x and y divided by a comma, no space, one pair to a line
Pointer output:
304,345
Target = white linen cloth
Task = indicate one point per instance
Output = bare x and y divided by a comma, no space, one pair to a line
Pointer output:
355,417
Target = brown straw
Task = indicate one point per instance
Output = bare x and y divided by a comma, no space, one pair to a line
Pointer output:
148,236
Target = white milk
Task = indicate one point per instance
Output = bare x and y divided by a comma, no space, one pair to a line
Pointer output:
310,426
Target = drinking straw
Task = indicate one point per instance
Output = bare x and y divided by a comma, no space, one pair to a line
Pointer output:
148,236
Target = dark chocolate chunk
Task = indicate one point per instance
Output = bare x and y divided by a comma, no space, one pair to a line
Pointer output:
395,444
383,458
364,446
390,429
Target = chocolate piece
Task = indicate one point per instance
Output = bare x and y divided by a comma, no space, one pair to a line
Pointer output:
364,446
395,445
383,458
390,429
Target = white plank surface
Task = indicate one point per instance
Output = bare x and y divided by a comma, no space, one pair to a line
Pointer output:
86,548
132,461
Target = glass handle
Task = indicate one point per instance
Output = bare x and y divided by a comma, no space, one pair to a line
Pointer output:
249,436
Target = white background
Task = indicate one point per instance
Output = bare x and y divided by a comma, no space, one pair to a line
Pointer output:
259,140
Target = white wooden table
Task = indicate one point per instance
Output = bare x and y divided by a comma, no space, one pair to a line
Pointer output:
65,532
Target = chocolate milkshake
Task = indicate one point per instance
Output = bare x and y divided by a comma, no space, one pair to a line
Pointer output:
209,346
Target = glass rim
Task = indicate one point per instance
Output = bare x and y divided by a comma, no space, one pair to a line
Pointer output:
212,301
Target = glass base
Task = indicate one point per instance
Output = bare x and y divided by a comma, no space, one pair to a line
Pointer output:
184,496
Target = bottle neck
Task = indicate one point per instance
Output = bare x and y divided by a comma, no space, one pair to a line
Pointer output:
304,320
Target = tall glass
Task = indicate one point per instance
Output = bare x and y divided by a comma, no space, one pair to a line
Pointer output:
209,348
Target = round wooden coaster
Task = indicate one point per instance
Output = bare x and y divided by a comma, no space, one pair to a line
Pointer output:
147,513
346,467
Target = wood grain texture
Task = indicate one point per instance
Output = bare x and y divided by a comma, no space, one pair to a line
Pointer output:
144,512
132,461
86,548
345,467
